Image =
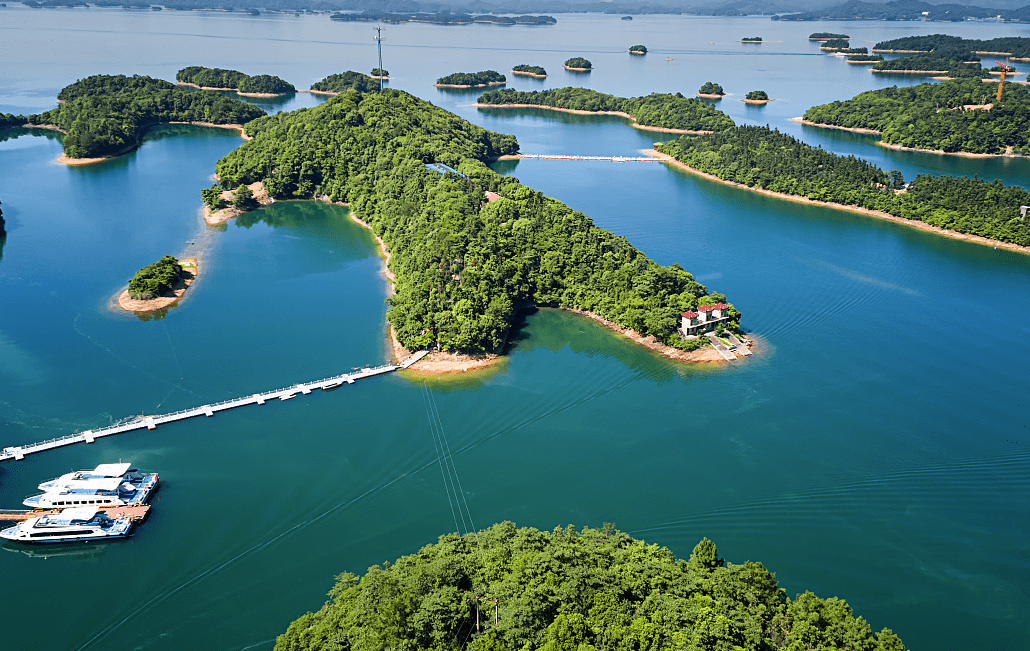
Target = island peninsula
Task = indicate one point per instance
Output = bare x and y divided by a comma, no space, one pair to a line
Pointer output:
243,84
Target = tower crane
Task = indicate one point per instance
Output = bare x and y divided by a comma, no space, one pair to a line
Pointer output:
1004,71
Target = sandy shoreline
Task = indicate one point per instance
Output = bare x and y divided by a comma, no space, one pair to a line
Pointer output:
216,217
578,69
707,354
527,74
709,95
834,126
136,306
128,150
633,120
758,101
858,209
319,92
964,154
186,83
909,72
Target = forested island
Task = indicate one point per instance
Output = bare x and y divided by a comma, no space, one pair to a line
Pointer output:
472,79
159,285
835,45
1017,47
529,71
952,116
339,82
864,58
757,97
637,49
578,63
751,39
104,115
379,73
711,90
765,159
573,590
950,63
656,111
463,265
827,36
244,84
905,10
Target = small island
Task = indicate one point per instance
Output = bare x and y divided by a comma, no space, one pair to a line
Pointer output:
835,45
529,71
243,84
471,79
711,90
757,97
379,73
751,39
637,49
570,589
578,64
864,58
827,36
627,18
159,285
340,82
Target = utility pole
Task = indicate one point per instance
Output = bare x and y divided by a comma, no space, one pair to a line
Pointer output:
379,42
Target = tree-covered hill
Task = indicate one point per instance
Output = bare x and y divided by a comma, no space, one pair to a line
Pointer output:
1017,46
105,115
950,62
764,158
571,590
463,265
656,110
350,80
931,116
234,79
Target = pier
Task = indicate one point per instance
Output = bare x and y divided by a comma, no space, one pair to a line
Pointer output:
151,422
616,159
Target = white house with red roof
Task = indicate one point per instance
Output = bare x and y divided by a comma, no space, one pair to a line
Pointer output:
703,320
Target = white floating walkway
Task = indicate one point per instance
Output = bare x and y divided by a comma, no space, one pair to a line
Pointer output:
151,422
617,159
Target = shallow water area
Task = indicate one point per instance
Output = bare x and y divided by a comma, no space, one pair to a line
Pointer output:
875,451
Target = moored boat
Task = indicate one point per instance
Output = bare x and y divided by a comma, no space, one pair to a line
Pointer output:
101,492
125,471
84,523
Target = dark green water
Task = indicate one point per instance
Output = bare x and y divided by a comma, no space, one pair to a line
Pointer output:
877,450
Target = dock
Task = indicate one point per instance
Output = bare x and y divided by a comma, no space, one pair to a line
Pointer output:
615,159
135,513
152,421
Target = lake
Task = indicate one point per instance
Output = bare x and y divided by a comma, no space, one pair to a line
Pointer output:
875,450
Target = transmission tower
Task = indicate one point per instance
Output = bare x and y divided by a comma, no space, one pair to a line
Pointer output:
379,42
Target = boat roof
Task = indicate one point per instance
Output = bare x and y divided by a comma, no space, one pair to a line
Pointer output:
67,516
97,483
112,469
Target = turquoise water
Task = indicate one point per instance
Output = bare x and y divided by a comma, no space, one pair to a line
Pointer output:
876,450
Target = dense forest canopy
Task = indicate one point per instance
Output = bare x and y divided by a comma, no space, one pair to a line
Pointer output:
104,115
1017,46
711,88
835,44
156,279
655,110
578,63
952,63
379,72
570,590
463,265
482,78
764,158
350,80
931,116
827,36
234,79
757,96
531,70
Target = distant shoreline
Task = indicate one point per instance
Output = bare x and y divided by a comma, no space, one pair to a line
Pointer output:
966,154
578,69
977,239
633,120
489,83
131,148
834,126
186,83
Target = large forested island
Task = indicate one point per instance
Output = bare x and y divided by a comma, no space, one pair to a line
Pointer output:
463,265
1015,46
472,79
953,116
244,84
760,158
656,111
108,115
949,63
350,80
573,590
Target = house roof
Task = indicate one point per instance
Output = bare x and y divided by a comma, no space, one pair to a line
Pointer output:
709,308
689,315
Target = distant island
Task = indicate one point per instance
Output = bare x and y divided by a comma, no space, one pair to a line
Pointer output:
751,39
570,589
340,82
104,116
471,247
637,49
864,58
827,36
578,64
1016,47
529,71
627,18
835,45
243,84
159,285
444,18
957,116
471,79
906,10
711,91
379,73
948,63
655,112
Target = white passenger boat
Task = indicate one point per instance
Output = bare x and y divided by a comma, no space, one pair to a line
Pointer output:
84,523
125,471
102,492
